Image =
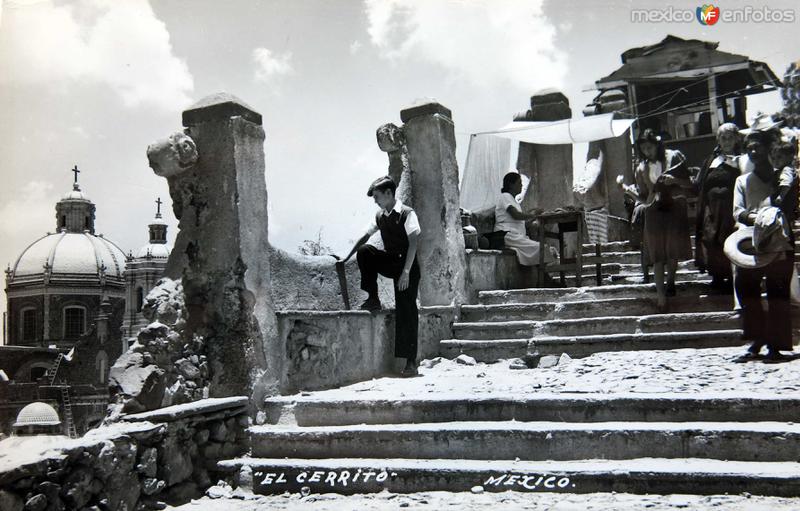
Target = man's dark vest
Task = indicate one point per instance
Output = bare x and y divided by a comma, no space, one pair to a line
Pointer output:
393,230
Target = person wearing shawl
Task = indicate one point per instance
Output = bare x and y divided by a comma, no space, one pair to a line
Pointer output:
662,180
714,186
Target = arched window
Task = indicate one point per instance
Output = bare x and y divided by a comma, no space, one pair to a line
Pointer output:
74,321
101,364
86,222
63,221
139,299
28,324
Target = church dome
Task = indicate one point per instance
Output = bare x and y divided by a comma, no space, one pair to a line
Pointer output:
71,253
154,250
37,414
75,194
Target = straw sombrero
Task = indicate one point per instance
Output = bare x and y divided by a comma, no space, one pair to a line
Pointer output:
739,249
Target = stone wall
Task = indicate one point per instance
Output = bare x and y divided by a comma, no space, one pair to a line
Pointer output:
330,349
311,283
141,463
497,269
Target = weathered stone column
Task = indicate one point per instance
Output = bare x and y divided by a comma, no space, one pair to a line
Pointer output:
430,138
549,166
221,252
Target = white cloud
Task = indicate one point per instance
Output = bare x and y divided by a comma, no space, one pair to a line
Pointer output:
118,44
269,65
488,42
23,219
355,47
29,199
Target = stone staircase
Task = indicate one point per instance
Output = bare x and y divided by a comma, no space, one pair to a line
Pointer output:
555,443
638,442
581,321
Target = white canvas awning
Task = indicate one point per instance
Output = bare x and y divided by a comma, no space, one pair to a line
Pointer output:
489,158
567,131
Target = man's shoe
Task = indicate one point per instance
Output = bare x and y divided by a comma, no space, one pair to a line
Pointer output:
410,370
748,356
371,304
776,357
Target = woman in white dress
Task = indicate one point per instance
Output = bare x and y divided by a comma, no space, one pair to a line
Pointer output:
509,217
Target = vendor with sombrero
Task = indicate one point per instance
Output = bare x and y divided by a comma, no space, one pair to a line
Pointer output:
763,246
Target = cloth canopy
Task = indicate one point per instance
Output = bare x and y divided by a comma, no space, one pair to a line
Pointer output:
566,131
491,154
488,160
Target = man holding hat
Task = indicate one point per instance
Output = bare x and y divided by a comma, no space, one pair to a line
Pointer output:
763,246
399,228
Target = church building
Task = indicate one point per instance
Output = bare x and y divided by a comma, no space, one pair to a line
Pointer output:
74,305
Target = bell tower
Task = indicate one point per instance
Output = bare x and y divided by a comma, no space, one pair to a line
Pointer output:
75,212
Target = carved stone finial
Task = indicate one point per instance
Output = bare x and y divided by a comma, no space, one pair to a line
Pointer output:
172,155
390,138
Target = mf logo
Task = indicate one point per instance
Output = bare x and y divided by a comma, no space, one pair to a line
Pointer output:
707,14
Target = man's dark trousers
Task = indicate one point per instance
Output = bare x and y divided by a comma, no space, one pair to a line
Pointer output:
773,327
372,262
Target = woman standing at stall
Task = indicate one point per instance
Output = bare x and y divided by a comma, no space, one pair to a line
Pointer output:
714,187
662,180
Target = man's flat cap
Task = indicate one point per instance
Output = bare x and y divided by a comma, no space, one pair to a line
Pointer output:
381,182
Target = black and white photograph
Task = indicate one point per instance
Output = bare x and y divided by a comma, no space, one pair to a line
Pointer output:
376,255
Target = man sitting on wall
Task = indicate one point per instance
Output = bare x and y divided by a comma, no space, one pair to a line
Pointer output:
400,230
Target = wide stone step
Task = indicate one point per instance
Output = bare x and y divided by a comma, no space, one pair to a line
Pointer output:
637,267
611,246
744,406
612,257
589,271
636,277
588,293
748,441
589,309
641,475
633,278
598,325
583,345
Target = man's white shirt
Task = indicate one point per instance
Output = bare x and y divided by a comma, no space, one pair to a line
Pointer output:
411,225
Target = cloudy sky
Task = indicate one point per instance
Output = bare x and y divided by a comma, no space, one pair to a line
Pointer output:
92,82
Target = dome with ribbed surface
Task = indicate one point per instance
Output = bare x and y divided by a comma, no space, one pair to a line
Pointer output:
37,414
71,253
75,194
154,250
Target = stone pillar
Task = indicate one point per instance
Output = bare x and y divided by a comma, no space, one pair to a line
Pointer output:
430,139
549,166
221,251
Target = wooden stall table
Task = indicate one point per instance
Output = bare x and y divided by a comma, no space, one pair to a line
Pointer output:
566,221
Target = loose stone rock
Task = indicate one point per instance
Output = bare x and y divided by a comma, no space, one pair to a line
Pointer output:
548,361
36,503
465,360
517,363
147,463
